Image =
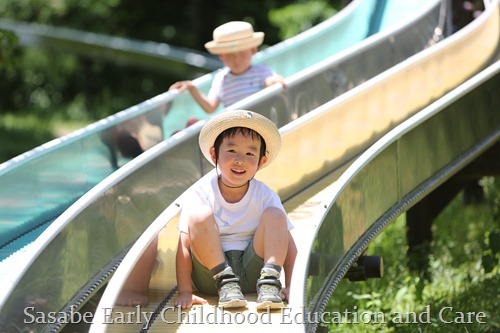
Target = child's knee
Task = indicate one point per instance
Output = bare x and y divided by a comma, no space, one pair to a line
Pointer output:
203,215
273,216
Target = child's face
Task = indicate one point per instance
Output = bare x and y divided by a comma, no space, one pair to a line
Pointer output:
238,159
238,62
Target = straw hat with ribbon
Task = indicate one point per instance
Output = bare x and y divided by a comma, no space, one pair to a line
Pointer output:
233,37
240,118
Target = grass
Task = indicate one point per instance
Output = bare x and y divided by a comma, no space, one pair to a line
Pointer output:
465,276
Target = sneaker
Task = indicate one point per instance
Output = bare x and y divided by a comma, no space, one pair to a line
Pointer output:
230,295
269,293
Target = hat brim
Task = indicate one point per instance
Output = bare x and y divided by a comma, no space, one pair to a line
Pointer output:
235,46
240,118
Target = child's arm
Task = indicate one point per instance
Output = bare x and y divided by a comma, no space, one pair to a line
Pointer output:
183,269
288,265
209,105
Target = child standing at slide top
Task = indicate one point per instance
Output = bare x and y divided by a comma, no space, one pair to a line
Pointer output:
235,43
234,231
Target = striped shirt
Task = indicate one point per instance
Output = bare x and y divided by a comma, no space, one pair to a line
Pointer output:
229,88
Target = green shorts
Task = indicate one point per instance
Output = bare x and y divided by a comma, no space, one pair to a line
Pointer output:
245,264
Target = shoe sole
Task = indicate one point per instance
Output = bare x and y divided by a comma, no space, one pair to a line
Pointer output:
269,305
235,303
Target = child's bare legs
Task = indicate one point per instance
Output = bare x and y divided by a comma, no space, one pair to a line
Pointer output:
136,289
271,237
271,241
205,238
207,247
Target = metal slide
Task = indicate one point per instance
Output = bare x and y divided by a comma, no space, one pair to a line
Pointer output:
82,247
345,209
39,185
400,169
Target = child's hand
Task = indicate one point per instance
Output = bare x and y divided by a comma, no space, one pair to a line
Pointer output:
186,299
275,79
181,86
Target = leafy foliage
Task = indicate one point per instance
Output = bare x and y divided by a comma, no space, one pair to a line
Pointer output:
297,17
8,43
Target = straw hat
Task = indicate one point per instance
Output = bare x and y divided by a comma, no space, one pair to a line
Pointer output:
240,118
233,37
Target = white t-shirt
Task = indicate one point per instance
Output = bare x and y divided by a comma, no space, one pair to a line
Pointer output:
237,221
229,88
